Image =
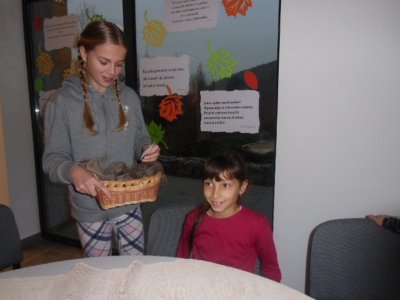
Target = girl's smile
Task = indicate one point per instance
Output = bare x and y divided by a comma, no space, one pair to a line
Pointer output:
223,196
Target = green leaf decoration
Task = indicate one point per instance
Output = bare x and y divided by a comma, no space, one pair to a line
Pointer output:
95,17
221,64
39,84
156,133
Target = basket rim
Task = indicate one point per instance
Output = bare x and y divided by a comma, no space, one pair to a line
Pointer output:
156,176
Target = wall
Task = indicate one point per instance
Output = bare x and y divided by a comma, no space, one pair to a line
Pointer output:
338,140
338,119
16,119
4,195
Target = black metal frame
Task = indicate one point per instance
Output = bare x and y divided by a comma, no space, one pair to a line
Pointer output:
33,106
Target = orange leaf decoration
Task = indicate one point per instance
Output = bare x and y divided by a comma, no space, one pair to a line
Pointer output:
37,23
235,7
171,106
251,80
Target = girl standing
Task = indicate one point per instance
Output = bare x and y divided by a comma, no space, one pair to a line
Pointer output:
223,231
95,115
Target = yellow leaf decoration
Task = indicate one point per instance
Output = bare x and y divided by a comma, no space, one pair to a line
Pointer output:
44,62
154,32
221,64
71,70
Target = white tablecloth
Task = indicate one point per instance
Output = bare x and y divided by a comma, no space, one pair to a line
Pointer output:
63,267
180,279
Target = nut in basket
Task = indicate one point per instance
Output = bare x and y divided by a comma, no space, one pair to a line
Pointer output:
131,191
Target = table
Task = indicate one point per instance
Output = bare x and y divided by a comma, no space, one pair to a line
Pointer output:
139,277
63,267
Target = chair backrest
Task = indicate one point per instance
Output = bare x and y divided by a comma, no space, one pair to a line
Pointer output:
10,243
353,259
165,229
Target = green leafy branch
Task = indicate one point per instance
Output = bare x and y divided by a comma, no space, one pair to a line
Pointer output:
94,17
156,133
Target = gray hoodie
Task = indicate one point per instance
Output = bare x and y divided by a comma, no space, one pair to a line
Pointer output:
68,142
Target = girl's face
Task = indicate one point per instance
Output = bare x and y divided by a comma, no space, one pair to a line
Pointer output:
103,65
223,196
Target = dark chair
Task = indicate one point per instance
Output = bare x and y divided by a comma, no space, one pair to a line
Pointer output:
165,229
10,243
353,259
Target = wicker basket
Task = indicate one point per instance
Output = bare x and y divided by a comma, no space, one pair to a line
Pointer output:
132,191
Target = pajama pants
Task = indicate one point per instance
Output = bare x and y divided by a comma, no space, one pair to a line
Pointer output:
128,229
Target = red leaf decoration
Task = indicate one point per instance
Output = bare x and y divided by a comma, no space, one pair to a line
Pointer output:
233,7
37,23
251,80
171,106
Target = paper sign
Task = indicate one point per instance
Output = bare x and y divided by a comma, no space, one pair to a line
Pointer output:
185,15
156,73
60,32
223,111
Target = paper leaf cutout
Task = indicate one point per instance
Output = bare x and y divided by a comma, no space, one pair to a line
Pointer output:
221,64
38,84
154,32
71,69
44,62
251,80
95,17
235,7
37,23
171,106
156,133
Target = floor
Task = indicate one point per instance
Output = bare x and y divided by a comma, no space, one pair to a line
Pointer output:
42,251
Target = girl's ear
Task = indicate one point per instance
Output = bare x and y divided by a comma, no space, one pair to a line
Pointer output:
243,187
83,53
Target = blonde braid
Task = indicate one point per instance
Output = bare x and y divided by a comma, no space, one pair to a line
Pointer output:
123,118
87,114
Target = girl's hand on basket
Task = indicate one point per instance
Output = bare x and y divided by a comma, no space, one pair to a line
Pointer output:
153,154
86,182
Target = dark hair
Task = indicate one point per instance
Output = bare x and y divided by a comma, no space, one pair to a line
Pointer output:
227,163
97,33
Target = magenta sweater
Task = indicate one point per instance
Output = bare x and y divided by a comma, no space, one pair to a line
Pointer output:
235,241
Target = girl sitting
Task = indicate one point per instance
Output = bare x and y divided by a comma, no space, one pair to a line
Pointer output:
221,230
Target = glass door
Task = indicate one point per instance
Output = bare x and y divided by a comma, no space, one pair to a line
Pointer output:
207,78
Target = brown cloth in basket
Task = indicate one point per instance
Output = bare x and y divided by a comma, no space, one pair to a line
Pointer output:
117,171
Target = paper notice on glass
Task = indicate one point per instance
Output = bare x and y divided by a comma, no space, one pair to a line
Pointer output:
156,73
236,111
60,32
183,15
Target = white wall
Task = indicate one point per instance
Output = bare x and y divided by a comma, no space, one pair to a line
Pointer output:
338,141
17,120
338,144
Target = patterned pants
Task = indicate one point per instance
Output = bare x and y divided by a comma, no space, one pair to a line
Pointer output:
128,228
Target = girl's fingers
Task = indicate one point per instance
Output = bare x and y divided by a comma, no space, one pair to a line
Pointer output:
153,154
104,189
